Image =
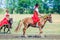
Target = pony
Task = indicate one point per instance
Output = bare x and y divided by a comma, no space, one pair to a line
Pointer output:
28,23
8,26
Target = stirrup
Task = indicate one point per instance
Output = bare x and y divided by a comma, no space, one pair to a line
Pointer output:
36,24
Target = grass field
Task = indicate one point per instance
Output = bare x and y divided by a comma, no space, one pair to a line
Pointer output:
50,28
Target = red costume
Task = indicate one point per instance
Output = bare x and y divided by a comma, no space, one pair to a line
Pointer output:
4,21
35,15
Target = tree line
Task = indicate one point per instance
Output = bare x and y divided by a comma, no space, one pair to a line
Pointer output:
27,6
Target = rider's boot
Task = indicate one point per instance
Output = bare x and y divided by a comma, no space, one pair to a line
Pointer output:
36,24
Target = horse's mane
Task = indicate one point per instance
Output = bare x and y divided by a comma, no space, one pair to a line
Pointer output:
45,16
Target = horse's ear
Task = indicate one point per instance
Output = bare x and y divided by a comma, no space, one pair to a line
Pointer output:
49,14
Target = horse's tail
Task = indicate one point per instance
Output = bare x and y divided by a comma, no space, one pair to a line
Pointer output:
19,25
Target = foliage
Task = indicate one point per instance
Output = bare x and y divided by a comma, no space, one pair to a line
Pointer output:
27,6
1,11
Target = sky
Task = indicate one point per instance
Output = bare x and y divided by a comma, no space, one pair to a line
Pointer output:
2,4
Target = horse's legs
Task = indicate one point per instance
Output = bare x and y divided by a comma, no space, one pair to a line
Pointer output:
1,28
40,29
24,30
4,29
41,33
8,28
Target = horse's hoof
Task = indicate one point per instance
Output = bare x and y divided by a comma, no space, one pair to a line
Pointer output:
45,35
42,36
9,32
25,36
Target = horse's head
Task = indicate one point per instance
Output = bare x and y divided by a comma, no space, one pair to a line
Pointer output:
10,22
49,18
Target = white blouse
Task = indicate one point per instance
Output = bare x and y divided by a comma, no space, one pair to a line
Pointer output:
36,9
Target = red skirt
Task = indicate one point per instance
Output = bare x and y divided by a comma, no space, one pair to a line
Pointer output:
3,22
35,17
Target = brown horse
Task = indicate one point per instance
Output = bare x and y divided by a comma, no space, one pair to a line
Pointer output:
8,26
28,22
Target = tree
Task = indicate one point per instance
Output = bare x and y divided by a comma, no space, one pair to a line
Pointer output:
10,5
56,6
27,6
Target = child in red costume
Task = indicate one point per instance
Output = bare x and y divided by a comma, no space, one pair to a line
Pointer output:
5,19
36,14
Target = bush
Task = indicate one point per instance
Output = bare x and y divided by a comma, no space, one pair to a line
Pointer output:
1,11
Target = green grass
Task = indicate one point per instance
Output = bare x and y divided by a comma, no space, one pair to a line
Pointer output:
50,28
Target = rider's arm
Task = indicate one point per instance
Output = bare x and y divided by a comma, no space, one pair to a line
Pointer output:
38,12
